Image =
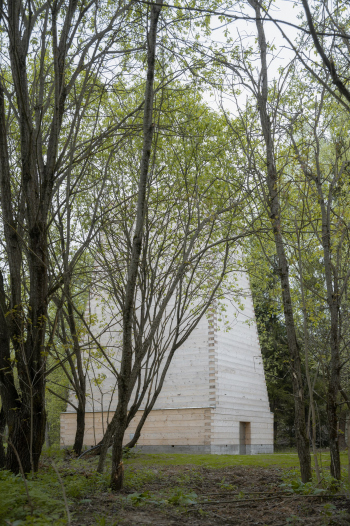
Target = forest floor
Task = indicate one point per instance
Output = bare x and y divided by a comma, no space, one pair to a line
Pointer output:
172,490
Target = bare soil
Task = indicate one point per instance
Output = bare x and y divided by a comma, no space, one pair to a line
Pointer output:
246,496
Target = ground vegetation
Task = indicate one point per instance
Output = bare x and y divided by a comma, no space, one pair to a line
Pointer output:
115,174
167,489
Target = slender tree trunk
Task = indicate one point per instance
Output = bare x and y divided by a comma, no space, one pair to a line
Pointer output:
333,426
2,430
333,300
117,451
275,214
78,375
342,431
306,353
124,388
348,444
79,435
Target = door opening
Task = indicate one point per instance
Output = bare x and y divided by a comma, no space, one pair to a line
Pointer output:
244,438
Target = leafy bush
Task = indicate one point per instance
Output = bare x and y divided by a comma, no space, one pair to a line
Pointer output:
293,484
179,498
297,486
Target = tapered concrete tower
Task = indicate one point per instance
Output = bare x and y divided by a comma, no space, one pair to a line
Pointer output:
214,398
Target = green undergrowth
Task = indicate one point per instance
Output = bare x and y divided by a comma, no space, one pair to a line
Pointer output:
136,478
292,483
81,483
174,497
45,505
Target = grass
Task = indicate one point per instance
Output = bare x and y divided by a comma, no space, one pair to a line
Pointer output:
282,460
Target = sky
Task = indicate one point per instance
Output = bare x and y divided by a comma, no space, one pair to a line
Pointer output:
284,10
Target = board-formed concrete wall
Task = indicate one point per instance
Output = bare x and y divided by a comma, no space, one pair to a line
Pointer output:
214,389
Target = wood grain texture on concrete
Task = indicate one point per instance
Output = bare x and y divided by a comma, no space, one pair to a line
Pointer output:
214,397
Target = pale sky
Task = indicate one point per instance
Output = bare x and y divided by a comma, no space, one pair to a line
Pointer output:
284,10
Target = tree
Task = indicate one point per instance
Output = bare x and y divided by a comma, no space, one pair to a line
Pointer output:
324,166
327,29
192,221
335,26
54,55
262,164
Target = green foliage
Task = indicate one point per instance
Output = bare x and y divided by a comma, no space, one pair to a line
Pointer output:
190,477
84,486
80,486
55,452
226,486
297,486
130,453
273,342
180,498
293,484
137,478
39,520
45,494
145,497
293,520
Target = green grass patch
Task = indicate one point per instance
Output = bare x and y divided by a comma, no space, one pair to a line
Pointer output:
135,478
280,460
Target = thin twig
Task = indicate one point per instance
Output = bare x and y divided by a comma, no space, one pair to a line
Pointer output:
63,492
30,502
265,498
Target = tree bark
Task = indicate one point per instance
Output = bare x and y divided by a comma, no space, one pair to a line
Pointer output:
333,300
2,429
275,216
78,376
342,430
124,387
79,435
306,353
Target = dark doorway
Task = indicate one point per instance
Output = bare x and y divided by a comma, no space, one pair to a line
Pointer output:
244,438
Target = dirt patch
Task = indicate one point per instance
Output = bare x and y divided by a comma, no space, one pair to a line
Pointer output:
187,495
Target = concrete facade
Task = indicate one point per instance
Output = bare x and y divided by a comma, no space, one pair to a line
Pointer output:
214,398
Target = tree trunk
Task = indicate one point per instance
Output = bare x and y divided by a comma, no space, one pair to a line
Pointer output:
79,435
77,370
333,300
306,354
332,395
348,444
19,433
342,431
2,430
117,472
118,424
275,213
